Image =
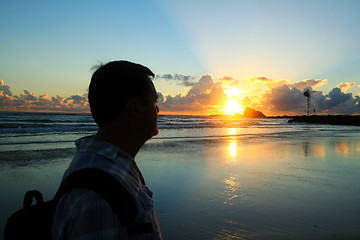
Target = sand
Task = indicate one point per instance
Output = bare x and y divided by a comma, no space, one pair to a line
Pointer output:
239,187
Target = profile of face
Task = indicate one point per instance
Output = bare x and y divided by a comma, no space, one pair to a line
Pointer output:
151,112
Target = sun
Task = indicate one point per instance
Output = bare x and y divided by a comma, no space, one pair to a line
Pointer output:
233,105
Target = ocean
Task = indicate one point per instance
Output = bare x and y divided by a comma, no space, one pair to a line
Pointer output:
213,177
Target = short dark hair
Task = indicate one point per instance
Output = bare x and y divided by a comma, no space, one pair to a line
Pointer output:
113,84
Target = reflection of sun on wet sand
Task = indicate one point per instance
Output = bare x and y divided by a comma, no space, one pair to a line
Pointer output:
328,119
233,189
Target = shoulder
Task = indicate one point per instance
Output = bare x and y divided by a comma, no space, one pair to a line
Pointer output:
82,198
81,212
81,202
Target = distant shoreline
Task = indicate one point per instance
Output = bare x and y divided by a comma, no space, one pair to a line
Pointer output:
350,120
328,119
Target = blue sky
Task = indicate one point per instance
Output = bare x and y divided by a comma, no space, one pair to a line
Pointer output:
50,46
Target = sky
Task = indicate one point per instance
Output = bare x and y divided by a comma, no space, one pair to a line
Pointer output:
209,57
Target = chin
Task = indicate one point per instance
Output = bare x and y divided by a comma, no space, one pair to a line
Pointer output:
151,134
154,132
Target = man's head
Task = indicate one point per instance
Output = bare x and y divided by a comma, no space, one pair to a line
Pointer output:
115,84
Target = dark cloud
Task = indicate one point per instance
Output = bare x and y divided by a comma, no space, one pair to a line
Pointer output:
76,99
336,97
5,89
290,100
185,80
160,97
339,102
284,99
27,96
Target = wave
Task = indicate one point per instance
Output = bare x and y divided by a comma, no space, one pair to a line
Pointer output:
73,123
22,123
26,157
21,129
42,124
36,142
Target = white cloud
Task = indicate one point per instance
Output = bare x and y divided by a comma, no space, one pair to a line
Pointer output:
346,86
203,97
313,83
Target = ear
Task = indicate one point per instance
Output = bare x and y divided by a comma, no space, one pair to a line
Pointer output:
134,108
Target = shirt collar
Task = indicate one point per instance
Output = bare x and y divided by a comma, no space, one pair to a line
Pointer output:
103,148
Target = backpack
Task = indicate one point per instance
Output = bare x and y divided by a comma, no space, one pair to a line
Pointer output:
35,221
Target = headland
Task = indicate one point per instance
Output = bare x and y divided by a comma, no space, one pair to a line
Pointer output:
328,119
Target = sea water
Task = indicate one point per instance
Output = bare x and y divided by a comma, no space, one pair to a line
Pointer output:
212,177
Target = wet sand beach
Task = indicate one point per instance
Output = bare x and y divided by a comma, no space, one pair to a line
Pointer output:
263,182
210,189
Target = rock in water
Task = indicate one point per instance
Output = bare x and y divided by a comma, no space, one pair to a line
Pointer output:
251,113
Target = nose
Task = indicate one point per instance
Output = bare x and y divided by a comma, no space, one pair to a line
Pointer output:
157,109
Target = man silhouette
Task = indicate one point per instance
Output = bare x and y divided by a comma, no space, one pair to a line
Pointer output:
122,100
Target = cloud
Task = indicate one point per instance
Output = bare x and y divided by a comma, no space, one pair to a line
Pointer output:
286,100
185,80
76,100
226,78
278,97
268,83
260,79
346,86
265,84
204,85
28,101
5,88
339,102
283,99
313,83
27,96
203,97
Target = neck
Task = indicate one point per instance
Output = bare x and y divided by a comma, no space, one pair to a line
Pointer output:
122,137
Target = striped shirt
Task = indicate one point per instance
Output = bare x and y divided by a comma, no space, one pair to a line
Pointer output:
83,214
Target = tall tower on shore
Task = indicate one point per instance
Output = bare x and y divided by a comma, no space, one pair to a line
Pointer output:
308,96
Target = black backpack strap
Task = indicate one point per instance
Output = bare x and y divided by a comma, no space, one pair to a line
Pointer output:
30,195
108,187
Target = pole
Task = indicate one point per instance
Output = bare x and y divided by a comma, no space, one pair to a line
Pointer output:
308,106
